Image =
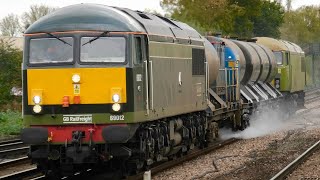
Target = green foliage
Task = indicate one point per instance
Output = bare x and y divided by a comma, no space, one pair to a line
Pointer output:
10,70
243,24
243,18
10,25
302,26
209,15
10,123
269,21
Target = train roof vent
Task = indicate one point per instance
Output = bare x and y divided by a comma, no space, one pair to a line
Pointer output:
252,40
168,21
144,16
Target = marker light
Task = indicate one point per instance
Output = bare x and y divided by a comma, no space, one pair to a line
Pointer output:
116,98
37,108
65,101
36,99
76,78
76,100
116,107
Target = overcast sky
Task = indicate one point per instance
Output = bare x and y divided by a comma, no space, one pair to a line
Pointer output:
20,6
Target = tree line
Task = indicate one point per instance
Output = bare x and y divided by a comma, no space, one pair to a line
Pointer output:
242,18
233,18
13,25
11,57
302,26
248,18
10,74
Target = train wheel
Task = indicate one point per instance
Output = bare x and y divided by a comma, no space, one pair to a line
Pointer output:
245,121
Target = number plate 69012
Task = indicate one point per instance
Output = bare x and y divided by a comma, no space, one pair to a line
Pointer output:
116,117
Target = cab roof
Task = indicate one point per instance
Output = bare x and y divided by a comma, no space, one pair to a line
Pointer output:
279,45
95,17
273,44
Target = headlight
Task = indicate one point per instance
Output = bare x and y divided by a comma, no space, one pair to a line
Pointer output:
76,78
116,98
37,108
36,99
116,107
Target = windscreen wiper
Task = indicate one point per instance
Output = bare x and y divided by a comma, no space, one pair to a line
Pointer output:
95,38
59,39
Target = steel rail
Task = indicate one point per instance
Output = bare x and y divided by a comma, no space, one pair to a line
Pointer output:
14,162
294,164
20,150
9,141
27,173
39,177
312,95
11,145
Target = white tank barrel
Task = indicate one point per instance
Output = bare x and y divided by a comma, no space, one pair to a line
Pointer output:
253,63
213,61
239,55
264,60
272,63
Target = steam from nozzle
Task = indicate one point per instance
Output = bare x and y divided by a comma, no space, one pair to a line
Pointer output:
263,122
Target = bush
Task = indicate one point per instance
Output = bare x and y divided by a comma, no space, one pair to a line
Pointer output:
10,123
10,72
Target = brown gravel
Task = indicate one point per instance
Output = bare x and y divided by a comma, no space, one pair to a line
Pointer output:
255,158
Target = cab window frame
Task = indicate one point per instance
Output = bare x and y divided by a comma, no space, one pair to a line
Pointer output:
280,54
26,59
93,35
142,48
287,57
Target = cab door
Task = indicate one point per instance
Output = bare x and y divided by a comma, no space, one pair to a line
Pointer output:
142,74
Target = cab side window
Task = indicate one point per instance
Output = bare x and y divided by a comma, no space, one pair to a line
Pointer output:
287,58
138,50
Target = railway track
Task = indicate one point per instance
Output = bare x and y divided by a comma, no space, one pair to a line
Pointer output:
14,162
312,95
32,173
13,153
12,147
294,164
190,156
29,173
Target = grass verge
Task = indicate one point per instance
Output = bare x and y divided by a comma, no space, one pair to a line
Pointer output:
10,123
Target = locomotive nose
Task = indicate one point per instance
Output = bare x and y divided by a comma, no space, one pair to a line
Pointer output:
68,86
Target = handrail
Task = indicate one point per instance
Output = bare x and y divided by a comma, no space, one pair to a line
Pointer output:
147,87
